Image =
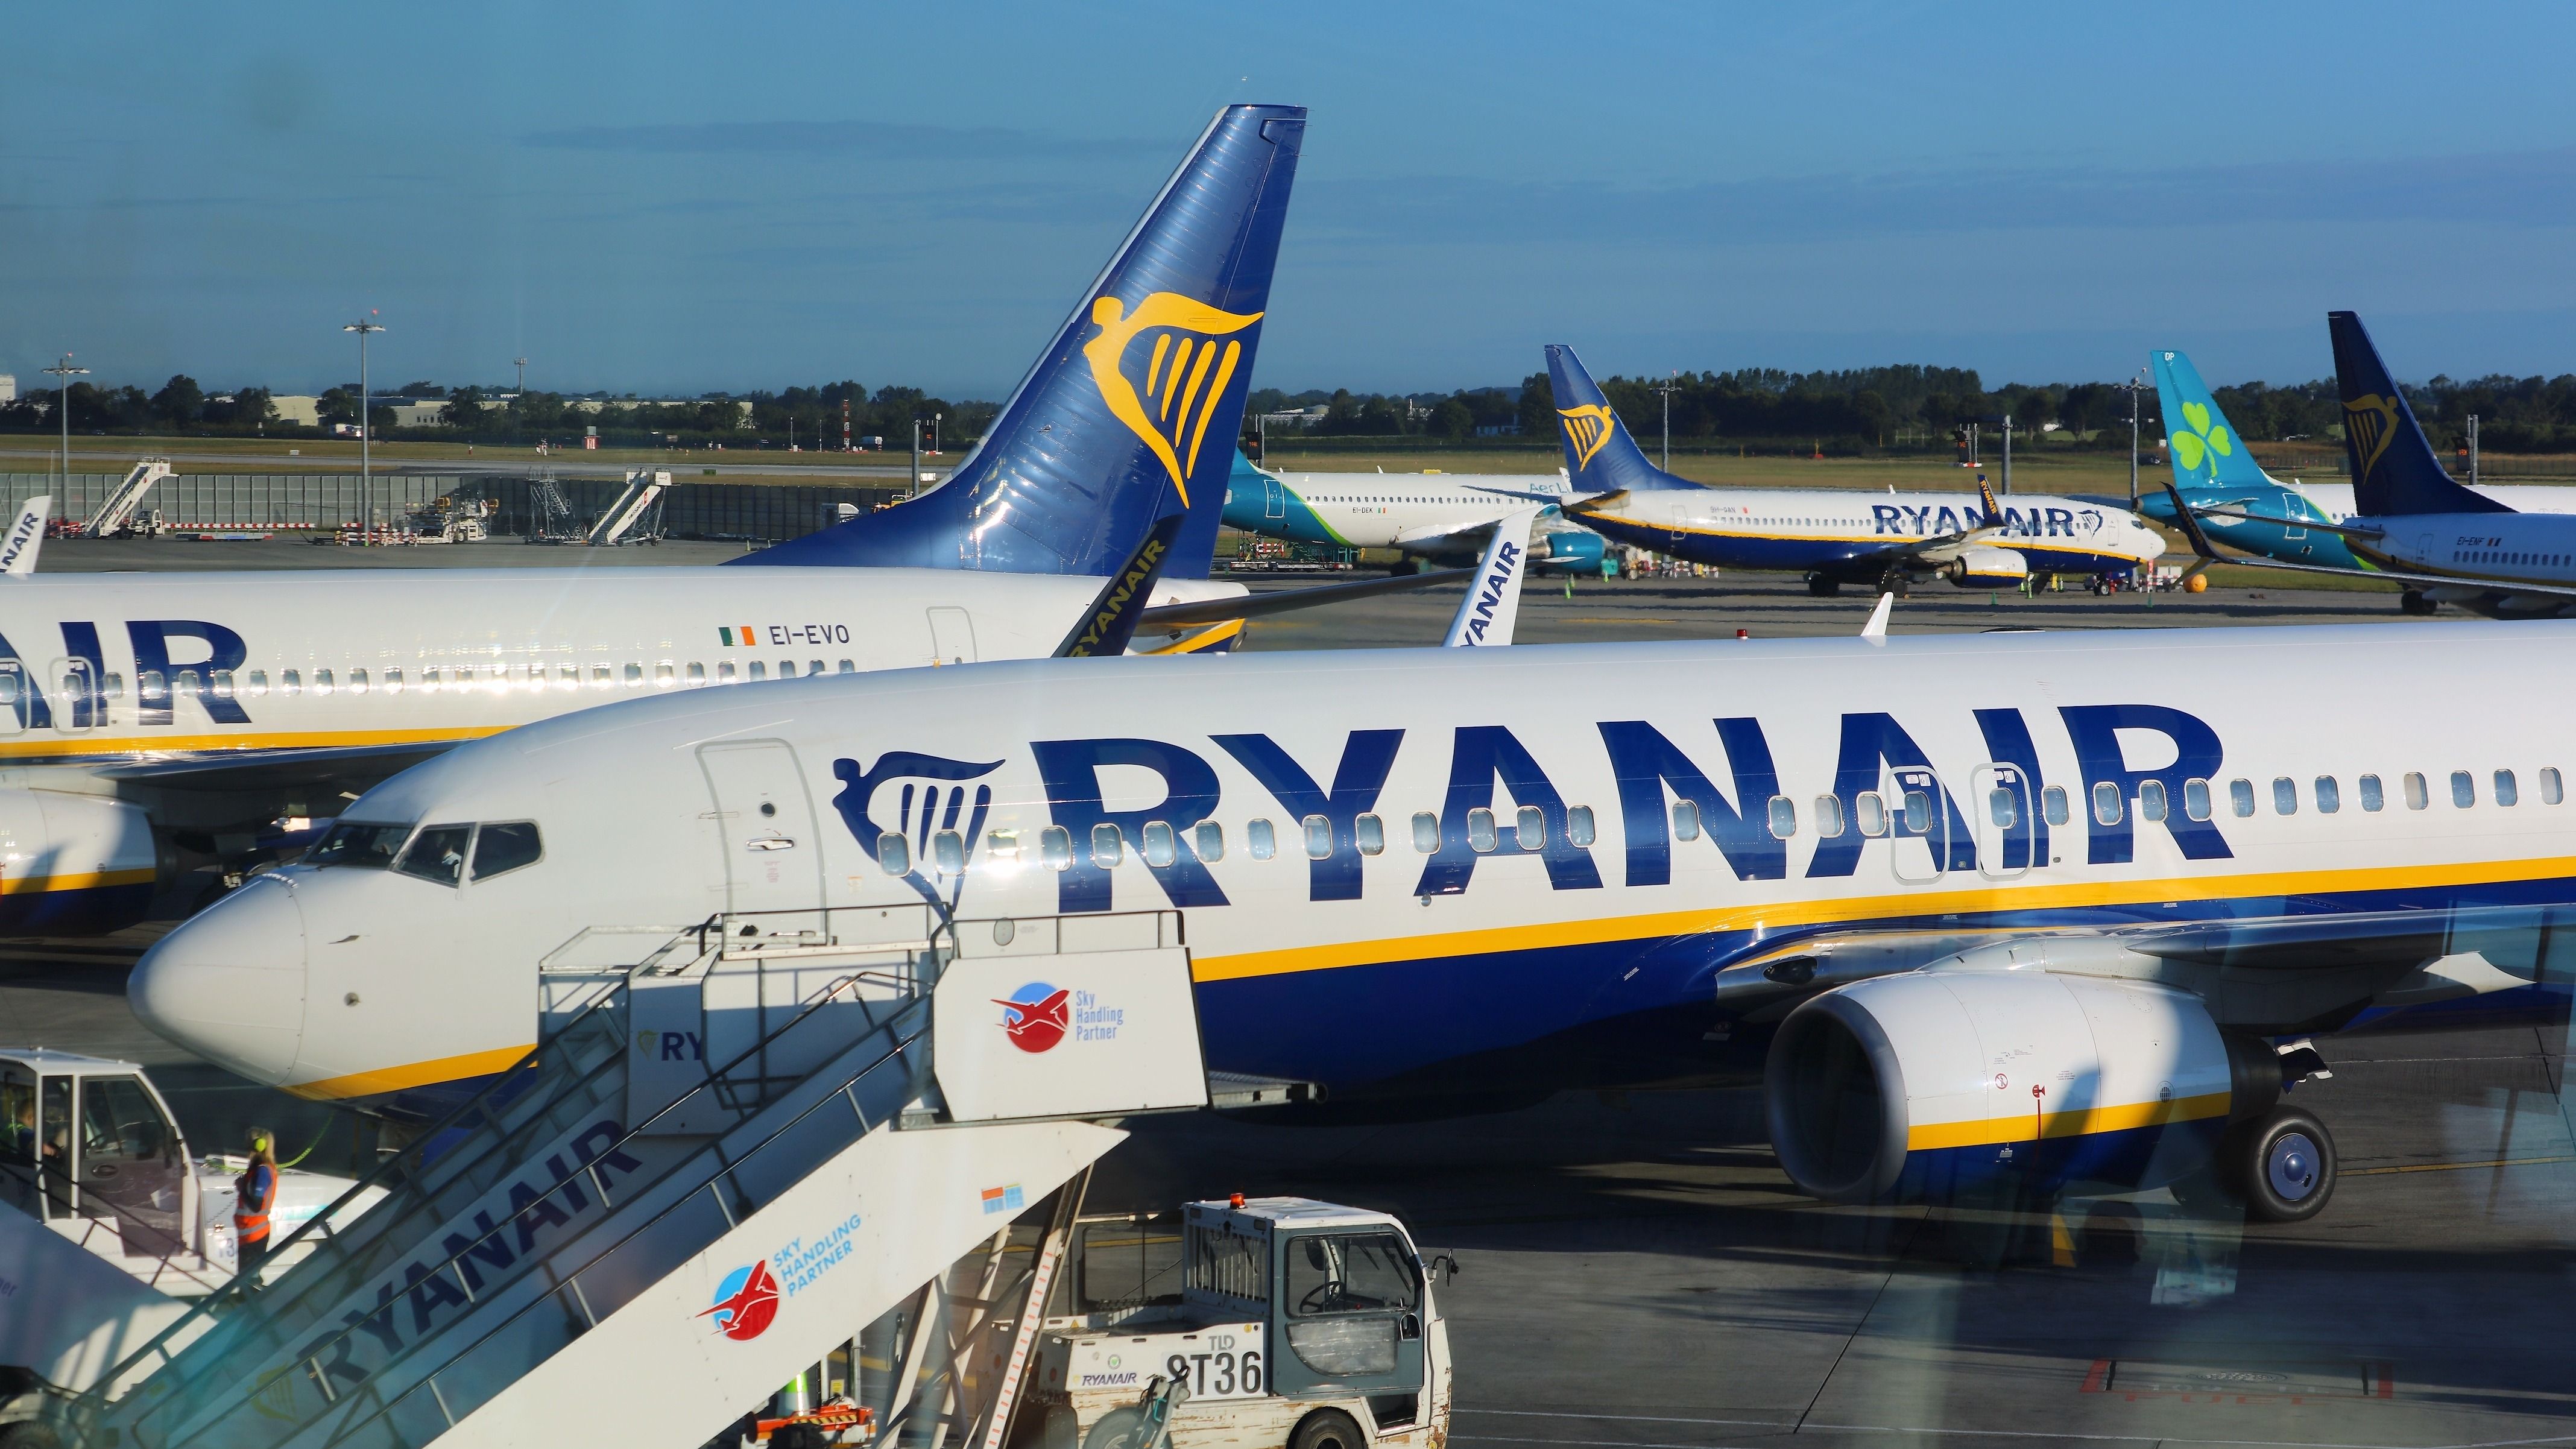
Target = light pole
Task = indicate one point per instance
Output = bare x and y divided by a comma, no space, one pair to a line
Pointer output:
2007,488
2133,384
2473,451
523,373
66,372
366,489
1667,387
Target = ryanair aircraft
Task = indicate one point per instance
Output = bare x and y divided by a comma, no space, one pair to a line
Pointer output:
1834,536
150,720
1982,912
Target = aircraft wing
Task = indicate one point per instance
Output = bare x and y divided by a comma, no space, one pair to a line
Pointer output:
1218,611
345,767
1448,538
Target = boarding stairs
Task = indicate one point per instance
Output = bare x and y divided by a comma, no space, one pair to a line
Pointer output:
734,1143
641,501
118,511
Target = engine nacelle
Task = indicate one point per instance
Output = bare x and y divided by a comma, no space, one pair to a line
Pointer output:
1985,568
1578,552
1925,1083
73,865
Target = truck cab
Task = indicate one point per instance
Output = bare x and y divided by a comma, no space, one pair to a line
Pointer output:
1290,1323
89,1148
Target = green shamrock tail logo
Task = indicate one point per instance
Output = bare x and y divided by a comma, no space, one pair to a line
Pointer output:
2201,440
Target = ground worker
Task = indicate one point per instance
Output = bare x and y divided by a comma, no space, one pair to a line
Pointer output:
256,1195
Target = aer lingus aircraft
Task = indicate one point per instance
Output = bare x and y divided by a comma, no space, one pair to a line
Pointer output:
1443,517
2011,911
1834,536
148,718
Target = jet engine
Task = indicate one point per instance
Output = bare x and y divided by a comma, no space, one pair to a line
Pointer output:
1577,552
1931,1082
1985,568
73,865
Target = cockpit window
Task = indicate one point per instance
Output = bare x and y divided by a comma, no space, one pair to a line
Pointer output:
437,853
359,842
506,846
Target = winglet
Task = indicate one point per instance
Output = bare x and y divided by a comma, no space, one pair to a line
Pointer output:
2393,467
26,536
1994,513
1876,628
1493,603
1112,619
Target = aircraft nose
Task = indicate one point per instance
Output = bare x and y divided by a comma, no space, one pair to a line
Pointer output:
228,984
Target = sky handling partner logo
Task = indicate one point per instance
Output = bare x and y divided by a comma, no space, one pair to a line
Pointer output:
1193,358
1588,428
745,1302
1037,1016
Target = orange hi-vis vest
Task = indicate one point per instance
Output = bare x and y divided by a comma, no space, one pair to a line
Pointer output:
250,1224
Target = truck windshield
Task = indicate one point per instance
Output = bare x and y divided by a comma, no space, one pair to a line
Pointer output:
356,842
1350,1273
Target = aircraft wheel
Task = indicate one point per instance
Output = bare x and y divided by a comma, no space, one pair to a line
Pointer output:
1823,587
2285,1162
2413,602
1892,582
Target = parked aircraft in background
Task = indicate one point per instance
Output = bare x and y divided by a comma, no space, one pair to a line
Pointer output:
1447,517
2413,525
1986,913
155,720
1833,536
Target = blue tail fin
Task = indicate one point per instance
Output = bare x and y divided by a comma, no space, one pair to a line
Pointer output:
1600,457
2206,452
1133,411
2393,467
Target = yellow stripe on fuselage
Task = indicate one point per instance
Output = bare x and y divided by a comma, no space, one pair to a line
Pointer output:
32,885
416,1074
88,746
2080,1122
1784,915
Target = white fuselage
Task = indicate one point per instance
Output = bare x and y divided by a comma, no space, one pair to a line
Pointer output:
1933,784
1415,512
1821,528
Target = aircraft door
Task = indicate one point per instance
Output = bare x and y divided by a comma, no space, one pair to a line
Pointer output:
952,636
763,825
16,703
1919,826
1274,500
1999,812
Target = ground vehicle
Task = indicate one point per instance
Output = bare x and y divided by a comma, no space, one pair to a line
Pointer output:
1295,1323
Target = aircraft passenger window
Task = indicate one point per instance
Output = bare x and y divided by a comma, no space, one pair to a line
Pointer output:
1784,817
2329,795
1480,830
1108,847
601,675
223,683
787,669
1370,833
2151,801
291,682
432,678
1319,837
116,686
948,850
2195,799
634,676
697,675
1685,820
813,667
1002,845
2550,794
358,683
393,681
662,675
2053,805
506,847
2464,789
2417,797
1869,812
1579,830
724,672
322,681
1055,848
1161,846
1918,811
2001,808
1207,842
2371,798
2507,792
2285,795
1260,840
354,842
894,853
755,670
2106,803
186,683
2240,798
848,667
1529,828
436,854
1829,816
258,683
1426,832
151,689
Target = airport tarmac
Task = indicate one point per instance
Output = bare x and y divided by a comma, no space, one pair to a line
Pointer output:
1637,1272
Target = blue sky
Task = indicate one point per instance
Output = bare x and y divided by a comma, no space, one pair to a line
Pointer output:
678,198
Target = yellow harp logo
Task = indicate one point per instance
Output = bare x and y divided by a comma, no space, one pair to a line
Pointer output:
1192,360
2372,421
1587,427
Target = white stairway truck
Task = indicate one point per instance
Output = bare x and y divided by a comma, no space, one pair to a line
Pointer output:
623,1242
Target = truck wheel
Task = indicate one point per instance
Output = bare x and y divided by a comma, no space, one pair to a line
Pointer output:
1117,1429
2285,1163
29,1435
1328,1429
